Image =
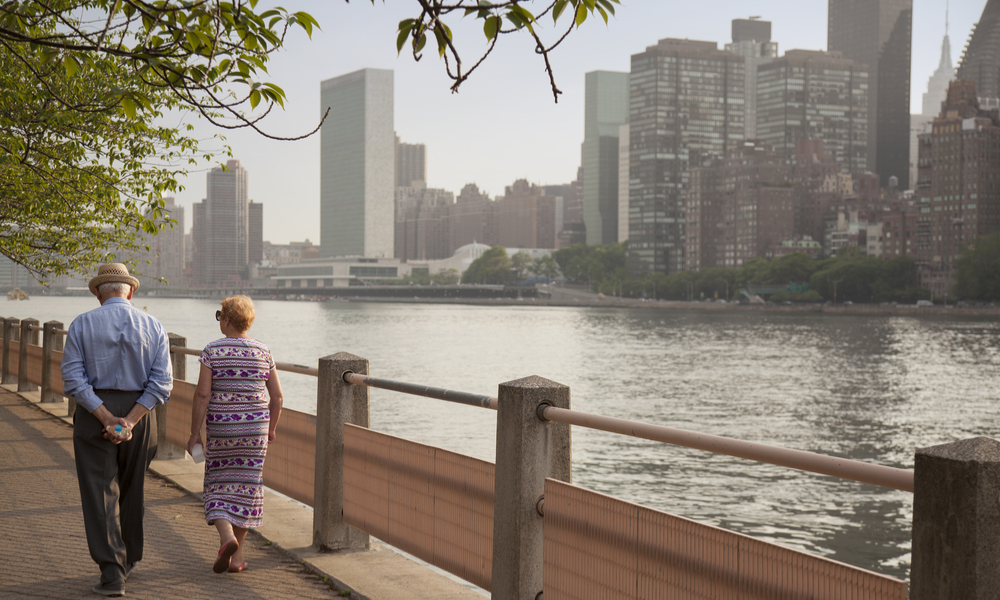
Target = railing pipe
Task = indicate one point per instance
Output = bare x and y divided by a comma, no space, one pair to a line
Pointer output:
281,366
890,477
422,390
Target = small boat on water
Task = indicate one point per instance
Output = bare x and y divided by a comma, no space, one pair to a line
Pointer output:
17,294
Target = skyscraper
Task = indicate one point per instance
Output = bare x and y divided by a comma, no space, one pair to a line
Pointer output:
411,163
937,91
357,165
981,59
815,95
958,186
877,34
606,109
752,41
686,107
221,226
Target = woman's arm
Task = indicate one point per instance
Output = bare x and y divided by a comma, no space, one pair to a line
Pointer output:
202,395
274,392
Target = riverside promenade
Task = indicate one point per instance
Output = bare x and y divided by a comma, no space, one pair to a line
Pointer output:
43,548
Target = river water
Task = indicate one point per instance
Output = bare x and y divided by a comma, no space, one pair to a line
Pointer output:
872,388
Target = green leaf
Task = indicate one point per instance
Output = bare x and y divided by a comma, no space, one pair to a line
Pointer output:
558,9
128,106
490,27
254,99
71,66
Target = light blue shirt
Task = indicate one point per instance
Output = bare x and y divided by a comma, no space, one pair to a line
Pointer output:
117,347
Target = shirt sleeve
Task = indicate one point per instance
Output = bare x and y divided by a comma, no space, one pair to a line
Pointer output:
161,378
206,357
74,375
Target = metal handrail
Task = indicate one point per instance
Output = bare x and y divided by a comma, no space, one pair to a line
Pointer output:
281,366
422,390
844,468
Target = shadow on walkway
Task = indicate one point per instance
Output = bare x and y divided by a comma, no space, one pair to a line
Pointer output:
43,548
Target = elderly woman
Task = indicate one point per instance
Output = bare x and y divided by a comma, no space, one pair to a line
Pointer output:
240,423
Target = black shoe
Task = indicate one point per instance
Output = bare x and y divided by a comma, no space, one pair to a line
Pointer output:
110,588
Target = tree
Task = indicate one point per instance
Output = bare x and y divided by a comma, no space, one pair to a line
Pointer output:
520,263
494,266
84,158
546,267
500,18
83,161
978,269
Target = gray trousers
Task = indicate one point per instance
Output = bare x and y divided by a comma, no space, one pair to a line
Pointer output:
111,484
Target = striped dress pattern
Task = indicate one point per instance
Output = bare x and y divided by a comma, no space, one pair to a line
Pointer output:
236,422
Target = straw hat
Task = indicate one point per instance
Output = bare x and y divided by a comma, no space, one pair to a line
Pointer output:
110,272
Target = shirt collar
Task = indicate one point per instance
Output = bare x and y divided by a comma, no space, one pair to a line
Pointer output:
116,300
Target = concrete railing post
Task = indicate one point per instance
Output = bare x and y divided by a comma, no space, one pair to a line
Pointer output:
27,337
337,402
528,451
956,521
164,449
10,331
51,342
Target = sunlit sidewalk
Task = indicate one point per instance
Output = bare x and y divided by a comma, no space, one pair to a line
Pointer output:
43,548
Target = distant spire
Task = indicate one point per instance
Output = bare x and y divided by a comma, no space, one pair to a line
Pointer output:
946,43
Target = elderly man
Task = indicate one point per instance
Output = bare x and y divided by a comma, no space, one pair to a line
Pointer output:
116,363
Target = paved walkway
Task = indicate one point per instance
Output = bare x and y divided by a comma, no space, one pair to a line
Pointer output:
43,549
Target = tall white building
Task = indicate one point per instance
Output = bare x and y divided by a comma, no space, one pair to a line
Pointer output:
623,156
605,110
357,165
937,92
752,41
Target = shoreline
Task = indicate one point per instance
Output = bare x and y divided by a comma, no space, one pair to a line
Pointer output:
851,309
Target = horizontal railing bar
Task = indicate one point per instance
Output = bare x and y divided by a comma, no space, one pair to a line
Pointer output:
890,477
61,331
422,390
183,350
36,328
281,366
293,368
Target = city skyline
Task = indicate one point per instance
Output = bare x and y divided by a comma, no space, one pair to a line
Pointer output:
475,136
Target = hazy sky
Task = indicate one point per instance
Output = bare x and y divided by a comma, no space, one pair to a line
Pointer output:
503,124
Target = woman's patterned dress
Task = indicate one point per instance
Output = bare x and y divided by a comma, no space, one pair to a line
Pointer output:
237,422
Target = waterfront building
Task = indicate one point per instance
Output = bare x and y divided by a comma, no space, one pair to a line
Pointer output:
981,58
411,163
739,208
163,263
221,227
686,108
937,91
623,157
752,41
527,217
256,240
815,95
357,165
422,229
958,185
877,34
606,109
473,219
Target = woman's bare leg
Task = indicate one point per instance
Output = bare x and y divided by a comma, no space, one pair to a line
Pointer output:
240,534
